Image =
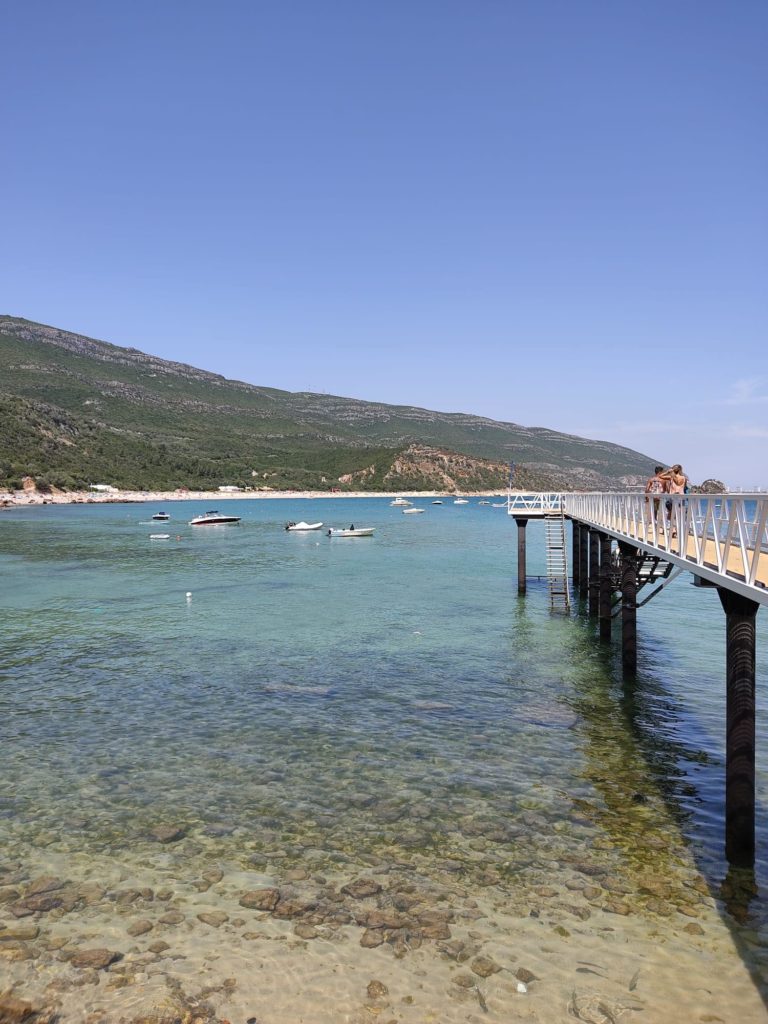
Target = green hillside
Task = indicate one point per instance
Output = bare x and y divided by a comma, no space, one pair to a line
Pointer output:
74,410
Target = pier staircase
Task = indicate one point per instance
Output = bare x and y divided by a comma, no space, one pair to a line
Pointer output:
557,563
650,569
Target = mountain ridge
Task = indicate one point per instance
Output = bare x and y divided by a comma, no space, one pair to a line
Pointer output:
83,393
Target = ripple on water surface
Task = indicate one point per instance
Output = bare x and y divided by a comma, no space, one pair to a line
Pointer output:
321,710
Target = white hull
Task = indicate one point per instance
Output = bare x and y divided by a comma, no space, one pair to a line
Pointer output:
367,532
302,527
213,519
412,511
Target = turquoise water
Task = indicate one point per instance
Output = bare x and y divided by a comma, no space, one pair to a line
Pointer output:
382,697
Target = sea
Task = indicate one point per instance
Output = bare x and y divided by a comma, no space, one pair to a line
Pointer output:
259,775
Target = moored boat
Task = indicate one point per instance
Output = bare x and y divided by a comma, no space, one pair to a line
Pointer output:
460,501
161,515
366,531
401,501
213,519
302,527
412,511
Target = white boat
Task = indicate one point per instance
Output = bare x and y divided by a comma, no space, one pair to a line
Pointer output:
366,531
213,519
412,511
401,501
302,527
159,536
483,503
460,501
437,502
499,504
161,515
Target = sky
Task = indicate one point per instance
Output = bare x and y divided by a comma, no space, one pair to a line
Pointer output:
546,212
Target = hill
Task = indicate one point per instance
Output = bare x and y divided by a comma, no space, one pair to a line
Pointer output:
74,410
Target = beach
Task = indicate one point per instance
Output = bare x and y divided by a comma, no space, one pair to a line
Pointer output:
35,497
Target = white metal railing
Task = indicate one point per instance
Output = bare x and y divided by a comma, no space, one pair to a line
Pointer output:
534,504
724,536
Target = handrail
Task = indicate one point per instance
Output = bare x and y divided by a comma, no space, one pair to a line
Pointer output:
721,537
536,504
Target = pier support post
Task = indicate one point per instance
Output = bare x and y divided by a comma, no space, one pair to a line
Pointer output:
628,609
594,571
606,586
575,539
521,525
583,560
740,615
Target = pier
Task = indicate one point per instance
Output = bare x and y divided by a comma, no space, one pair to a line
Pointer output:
624,543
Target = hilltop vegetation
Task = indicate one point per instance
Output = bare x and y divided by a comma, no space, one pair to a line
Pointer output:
74,411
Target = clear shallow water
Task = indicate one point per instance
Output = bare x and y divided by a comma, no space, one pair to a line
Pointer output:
323,701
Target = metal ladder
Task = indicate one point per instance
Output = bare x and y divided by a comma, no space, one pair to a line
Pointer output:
557,563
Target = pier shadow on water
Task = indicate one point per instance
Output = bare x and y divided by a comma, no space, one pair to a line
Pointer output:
661,786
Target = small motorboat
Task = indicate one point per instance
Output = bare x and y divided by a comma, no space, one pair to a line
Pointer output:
483,503
460,501
159,536
438,502
401,501
161,515
213,519
302,527
412,511
366,531
499,504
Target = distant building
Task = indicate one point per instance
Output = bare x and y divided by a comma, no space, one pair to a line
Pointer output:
102,487
228,488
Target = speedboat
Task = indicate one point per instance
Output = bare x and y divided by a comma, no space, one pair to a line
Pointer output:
437,502
302,527
161,515
412,511
401,501
483,503
460,501
213,519
366,531
159,536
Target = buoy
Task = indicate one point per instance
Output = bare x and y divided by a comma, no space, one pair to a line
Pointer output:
189,595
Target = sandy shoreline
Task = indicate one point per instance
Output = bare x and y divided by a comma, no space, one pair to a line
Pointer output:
13,498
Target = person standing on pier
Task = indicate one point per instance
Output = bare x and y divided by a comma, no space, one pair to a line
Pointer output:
677,483
656,485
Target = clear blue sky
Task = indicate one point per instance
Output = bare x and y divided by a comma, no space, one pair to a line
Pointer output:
553,213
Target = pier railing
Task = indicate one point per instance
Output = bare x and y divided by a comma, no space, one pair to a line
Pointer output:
724,536
542,504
